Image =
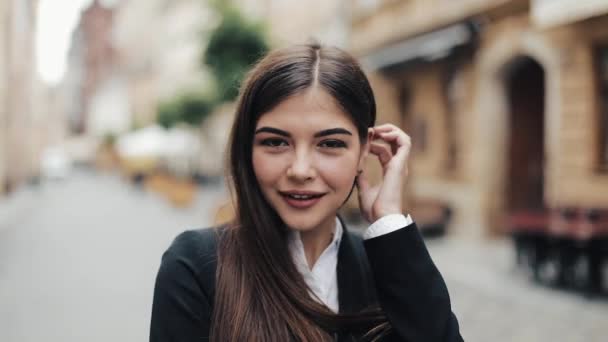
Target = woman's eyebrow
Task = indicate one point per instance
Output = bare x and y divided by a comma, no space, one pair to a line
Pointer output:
322,133
332,131
273,130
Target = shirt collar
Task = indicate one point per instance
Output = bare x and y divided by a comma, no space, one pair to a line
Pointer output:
297,248
338,232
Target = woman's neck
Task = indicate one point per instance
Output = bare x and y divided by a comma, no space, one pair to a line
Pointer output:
316,240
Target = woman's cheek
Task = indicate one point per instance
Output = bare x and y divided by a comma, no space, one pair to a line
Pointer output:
260,167
267,167
339,169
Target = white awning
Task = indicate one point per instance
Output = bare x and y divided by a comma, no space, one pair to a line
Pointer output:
429,46
550,13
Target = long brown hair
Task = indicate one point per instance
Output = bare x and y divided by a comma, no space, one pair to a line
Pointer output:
260,295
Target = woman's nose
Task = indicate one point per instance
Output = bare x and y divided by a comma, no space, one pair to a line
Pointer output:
302,167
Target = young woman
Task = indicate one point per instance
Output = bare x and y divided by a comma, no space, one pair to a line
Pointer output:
287,268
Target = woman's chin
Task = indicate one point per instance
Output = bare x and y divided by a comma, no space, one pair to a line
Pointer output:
300,226
305,223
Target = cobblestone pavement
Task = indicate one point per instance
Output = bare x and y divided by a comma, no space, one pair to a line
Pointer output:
494,301
78,264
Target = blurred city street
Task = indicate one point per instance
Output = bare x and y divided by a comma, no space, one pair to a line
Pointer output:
111,145
78,260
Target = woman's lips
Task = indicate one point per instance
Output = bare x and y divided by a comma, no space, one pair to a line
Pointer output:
301,200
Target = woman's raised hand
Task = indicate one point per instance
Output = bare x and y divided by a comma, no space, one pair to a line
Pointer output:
386,197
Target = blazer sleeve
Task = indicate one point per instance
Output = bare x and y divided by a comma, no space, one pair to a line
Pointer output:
181,310
410,288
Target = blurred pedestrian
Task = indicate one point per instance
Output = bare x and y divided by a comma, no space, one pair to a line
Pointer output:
287,267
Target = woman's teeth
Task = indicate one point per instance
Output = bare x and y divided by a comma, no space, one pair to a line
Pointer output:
301,196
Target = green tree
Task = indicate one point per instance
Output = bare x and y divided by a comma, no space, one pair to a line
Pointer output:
195,108
167,115
233,47
191,108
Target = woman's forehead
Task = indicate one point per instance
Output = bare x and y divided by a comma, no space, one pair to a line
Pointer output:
308,110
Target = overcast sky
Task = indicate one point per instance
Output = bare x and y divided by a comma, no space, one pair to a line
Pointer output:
56,20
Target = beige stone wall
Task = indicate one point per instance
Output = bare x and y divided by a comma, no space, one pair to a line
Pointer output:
579,181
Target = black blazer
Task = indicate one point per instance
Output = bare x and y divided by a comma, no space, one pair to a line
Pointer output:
404,281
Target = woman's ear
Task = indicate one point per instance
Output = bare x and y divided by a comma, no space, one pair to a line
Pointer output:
365,149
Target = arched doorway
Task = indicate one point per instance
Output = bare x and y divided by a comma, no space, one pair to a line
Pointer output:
498,68
525,181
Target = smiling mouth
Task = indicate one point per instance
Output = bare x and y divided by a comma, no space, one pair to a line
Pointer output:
301,195
301,200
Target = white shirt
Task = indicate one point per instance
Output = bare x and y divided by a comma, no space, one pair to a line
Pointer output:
322,277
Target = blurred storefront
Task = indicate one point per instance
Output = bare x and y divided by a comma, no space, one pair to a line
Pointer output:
506,102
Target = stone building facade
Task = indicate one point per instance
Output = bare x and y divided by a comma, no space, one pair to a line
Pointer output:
3,92
506,101
18,89
162,67
91,59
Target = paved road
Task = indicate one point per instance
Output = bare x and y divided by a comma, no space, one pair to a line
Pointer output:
78,264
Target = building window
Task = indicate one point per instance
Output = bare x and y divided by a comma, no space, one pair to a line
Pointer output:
419,134
414,125
602,72
405,101
453,93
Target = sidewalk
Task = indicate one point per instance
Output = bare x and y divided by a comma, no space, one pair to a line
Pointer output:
496,301
16,206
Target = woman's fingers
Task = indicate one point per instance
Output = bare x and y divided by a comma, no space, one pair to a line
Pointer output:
392,150
399,141
386,128
403,152
394,139
383,152
393,135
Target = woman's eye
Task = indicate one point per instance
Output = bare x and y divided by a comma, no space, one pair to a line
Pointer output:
274,142
333,144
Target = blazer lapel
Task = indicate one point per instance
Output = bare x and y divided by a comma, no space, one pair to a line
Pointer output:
355,285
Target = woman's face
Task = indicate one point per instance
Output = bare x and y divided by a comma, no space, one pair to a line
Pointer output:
306,153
